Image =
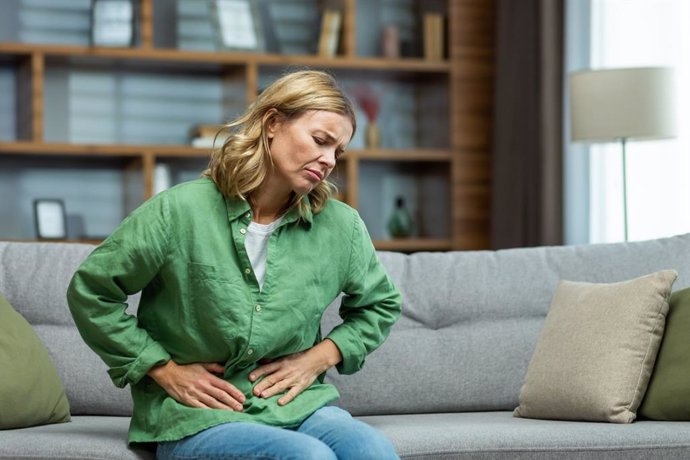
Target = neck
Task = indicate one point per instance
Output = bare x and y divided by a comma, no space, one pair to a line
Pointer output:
266,207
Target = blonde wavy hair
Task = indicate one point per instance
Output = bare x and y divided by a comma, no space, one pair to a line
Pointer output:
241,165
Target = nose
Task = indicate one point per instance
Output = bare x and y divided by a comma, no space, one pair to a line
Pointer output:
328,159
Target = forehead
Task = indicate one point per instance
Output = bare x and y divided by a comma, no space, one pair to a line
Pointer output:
337,124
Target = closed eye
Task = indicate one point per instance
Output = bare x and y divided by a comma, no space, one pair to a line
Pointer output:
318,140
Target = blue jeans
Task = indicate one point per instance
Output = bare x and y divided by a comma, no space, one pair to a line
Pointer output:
329,433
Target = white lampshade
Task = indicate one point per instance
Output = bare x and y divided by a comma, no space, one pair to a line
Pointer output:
633,103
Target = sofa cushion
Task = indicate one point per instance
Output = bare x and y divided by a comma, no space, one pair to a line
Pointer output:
498,435
30,390
597,350
84,438
668,395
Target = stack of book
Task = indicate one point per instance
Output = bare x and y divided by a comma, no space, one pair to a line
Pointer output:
203,136
434,36
329,36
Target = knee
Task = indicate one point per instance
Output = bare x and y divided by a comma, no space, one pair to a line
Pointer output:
381,448
374,447
313,450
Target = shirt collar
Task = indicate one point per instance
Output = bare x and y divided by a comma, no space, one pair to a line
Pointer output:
238,207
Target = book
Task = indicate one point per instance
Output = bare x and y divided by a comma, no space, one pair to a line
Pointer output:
329,36
434,44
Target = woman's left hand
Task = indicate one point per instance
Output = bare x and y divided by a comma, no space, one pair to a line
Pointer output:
295,372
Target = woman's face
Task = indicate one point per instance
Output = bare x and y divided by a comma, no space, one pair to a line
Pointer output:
304,149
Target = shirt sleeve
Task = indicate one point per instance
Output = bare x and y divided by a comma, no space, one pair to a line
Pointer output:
370,307
97,295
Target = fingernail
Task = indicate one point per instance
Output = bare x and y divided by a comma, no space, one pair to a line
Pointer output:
251,377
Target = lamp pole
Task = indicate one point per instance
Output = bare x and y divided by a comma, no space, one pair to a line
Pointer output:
625,193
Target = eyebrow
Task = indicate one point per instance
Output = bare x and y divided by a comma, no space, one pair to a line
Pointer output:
331,138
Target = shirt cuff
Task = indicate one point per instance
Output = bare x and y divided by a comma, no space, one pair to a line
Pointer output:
153,355
350,347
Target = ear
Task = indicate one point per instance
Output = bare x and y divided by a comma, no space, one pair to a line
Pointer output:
271,122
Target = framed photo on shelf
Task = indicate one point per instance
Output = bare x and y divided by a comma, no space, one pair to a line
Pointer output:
112,23
237,25
50,219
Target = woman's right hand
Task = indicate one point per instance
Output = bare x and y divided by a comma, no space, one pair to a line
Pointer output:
195,385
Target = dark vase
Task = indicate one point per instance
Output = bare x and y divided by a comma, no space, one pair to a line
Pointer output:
400,224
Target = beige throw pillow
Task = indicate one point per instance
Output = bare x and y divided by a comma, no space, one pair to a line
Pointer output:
597,350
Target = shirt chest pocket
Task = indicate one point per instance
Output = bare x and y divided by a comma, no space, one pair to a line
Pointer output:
214,298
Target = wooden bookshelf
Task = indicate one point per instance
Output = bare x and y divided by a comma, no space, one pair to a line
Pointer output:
466,73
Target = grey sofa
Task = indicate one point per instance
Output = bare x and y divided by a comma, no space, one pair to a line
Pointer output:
444,384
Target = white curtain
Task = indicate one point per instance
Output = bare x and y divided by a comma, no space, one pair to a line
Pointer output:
636,33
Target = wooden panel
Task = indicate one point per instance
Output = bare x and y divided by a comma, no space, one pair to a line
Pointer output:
350,29
149,163
37,80
471,50
146,23
353,181
24,98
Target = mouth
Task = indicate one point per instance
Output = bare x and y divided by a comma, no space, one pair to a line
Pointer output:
315,174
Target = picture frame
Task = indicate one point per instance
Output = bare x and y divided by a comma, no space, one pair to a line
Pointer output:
112,23
237,25
50,219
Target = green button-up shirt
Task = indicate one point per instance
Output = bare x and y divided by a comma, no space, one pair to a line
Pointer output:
200,302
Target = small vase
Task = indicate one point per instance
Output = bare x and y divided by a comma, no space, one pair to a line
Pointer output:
400,224
372,135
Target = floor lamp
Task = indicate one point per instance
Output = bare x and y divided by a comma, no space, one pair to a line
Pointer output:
622,105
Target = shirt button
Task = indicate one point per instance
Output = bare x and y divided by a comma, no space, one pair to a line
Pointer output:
248,215
243,231
258,308
247,271
250,351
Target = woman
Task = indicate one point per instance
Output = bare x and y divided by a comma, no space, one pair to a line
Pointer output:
235,269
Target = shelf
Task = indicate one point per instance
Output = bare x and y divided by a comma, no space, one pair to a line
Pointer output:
406,245
190,59
49,148
35,148
114,121
413,245
440,155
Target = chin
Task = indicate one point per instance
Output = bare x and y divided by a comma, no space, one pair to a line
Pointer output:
303,189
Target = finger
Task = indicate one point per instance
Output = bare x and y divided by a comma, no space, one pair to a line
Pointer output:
290,395
213,402
229,389
217,398
278,387
215,368
193,401
270,382
263,370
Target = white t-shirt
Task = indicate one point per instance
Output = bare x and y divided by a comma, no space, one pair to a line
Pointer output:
256,243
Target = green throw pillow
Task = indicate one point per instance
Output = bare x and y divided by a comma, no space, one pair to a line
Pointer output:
30,389
668,395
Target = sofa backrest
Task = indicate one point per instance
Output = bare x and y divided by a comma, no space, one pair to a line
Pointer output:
34,278
470,321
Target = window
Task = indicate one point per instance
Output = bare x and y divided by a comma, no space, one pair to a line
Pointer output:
636,33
